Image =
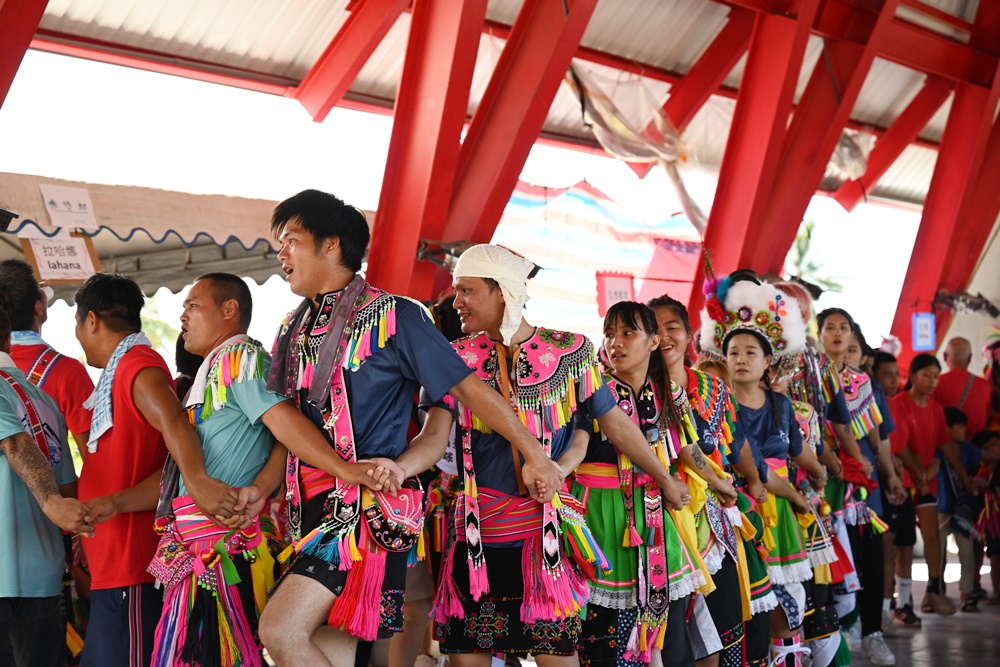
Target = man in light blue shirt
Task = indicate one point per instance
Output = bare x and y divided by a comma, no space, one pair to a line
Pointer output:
37,485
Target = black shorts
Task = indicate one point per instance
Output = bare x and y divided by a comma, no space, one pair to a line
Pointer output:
906,523
334,578
926,500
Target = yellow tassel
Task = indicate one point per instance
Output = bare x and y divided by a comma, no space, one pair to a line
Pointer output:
421,546
74,642
659,637
353,544
286,554
626,462
642,634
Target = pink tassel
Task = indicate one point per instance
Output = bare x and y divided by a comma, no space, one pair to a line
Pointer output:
633,644
357,608
447,603
479,583
634,539
549,595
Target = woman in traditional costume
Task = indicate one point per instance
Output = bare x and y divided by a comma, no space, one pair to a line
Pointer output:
718,619
629,609
759,330
855,499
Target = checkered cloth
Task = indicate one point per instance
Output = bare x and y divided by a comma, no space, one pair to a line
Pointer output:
100,400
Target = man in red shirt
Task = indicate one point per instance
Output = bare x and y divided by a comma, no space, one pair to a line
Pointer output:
136,420
63,378
958,388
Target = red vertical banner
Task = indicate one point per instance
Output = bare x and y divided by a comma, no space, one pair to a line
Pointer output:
613,287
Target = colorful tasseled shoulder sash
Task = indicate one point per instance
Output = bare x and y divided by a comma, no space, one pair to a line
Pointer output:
861,405
709,397
549,372
237,362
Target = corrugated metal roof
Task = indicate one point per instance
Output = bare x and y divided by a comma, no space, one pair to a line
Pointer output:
285,39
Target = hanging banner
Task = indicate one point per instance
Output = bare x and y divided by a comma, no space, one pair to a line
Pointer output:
68,207
924,332
62,260
612,288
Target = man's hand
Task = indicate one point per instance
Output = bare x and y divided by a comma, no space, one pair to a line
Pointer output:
250,501
756,490
102,509
542,477
68,513
386,475
675,494
213,497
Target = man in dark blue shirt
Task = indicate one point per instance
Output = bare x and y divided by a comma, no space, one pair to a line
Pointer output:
352,357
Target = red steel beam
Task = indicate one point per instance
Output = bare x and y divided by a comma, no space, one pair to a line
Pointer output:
426,135
706,75
900,134
956,175
938,14
777,48
816,127
510,115
905,44
20,19
335,71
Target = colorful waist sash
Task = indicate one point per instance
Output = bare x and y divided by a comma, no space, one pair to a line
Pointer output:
505,518
203,621
598,475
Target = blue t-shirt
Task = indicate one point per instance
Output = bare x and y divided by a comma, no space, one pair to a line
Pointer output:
382,390
236,442
770,438
971,456
32,556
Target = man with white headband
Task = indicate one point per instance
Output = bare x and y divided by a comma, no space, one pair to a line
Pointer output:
519,576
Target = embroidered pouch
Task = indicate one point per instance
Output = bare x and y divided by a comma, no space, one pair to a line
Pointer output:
394,522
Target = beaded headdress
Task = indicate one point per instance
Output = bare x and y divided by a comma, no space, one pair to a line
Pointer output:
746,306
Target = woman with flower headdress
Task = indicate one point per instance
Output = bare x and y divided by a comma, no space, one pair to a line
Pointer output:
758,330
728,539
856,498
639,608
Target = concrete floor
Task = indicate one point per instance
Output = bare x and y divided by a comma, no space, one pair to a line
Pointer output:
963,640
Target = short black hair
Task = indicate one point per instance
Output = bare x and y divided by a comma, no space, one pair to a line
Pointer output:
881,359
953,416
984,437
226,286
19,292
326,216
187,363
116,298
4,325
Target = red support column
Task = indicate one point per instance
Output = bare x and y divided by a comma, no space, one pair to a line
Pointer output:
750,161
20,19
330,77
819,120
707,74
430,112
511,113
900,134
952,190
975,220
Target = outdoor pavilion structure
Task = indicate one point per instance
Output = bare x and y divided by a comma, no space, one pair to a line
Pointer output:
792,74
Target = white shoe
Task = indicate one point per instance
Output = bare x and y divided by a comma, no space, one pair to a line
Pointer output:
874,647
852,636
888,629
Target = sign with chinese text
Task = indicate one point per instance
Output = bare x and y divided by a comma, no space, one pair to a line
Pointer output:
63,259
924,332
68,207
612,288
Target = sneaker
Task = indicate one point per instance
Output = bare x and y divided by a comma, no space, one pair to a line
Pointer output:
852,636
938,604
906,617
888,630
874,647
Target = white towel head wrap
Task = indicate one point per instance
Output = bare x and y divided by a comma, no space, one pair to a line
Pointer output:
509,270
